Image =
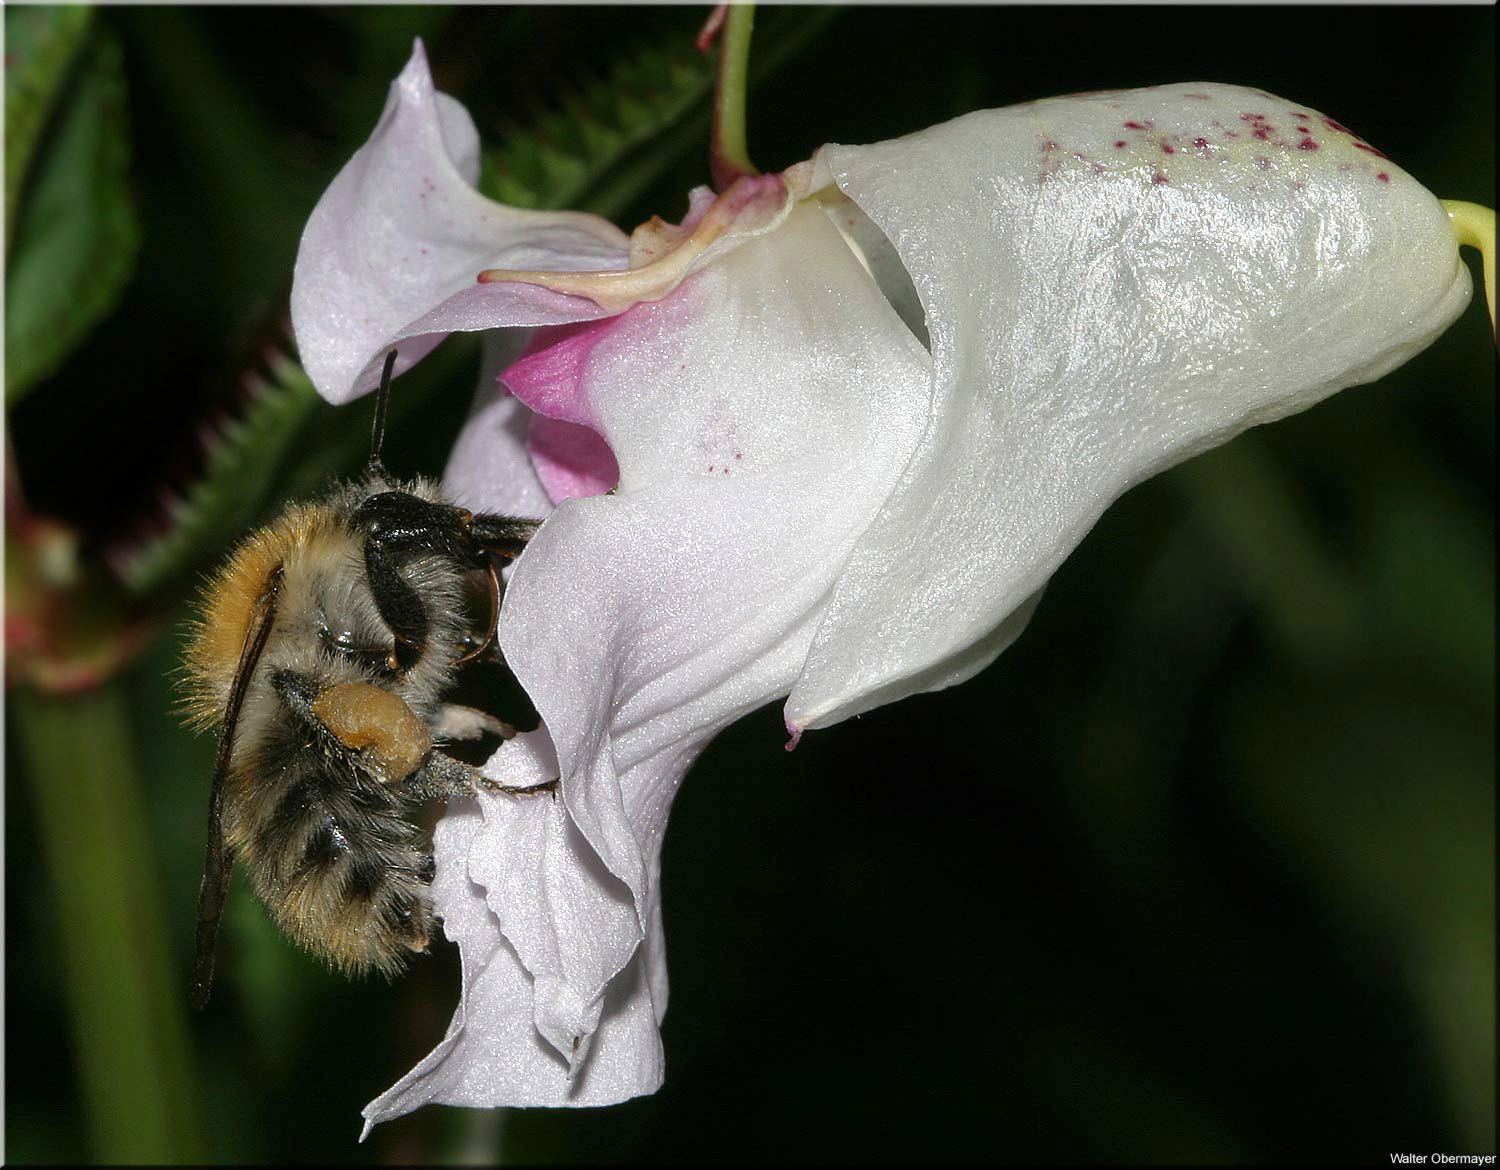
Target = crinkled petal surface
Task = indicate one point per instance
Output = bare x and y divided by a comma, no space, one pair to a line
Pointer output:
499,909
391,255
760,414
1112,282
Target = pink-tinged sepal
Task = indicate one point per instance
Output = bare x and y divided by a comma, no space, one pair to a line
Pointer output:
570,456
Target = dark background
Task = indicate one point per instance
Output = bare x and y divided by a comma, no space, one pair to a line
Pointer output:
1203,869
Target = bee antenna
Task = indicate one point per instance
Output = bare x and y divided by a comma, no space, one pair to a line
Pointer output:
382,400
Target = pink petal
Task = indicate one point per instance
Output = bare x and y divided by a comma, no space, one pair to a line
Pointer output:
571,460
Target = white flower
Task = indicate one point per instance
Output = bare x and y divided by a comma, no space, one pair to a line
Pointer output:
858,413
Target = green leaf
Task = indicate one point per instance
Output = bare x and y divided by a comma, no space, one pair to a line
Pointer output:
575,146
242,463
40,44
76,234
236,159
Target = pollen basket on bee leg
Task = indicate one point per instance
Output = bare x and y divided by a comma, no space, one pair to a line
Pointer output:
377,723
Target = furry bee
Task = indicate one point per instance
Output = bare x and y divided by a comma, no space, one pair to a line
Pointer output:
322,651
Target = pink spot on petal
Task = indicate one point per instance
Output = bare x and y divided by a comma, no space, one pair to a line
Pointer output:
1120,145
1383,177
1165,149
1336,126
1370,150
1201,143
1307,144
1134,126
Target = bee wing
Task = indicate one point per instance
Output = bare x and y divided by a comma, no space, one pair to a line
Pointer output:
220,861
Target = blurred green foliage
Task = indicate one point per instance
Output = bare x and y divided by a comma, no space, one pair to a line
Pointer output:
73,246
1212,847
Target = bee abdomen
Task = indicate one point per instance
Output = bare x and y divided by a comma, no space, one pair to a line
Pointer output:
345,879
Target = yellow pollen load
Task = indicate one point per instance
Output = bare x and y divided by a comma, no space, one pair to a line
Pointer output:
364,716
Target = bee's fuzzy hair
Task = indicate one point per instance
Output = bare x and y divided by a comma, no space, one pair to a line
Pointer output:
326,844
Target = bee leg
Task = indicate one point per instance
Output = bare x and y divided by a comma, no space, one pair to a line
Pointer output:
441,776
503,536
372,725
520,789
456,722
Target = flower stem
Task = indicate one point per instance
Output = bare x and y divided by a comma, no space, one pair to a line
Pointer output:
125,994
1475,227
729,156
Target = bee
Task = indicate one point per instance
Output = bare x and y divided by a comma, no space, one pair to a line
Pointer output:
322,652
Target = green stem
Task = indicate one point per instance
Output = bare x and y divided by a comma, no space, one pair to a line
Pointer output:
125,993
729,155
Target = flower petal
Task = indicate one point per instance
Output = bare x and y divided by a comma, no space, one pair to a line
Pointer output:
1112,282
492,1052
571,922
759,415
490,467
571,460
571,457
392,252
